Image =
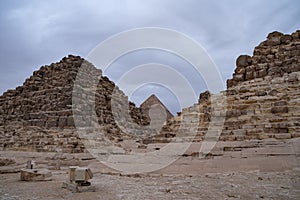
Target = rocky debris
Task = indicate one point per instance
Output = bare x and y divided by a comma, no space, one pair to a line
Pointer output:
79,180
35,175
229,185
204,97
247,169
6,161
75,188
31,173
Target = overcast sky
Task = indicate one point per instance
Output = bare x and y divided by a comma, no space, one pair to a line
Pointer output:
36,33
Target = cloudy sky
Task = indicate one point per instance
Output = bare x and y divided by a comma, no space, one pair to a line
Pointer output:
36,33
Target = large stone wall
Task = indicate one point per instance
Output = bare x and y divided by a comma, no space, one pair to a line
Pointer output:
262,98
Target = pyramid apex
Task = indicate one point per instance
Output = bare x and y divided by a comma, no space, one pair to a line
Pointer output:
153,100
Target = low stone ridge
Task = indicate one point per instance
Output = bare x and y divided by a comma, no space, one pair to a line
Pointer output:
262,98
38,115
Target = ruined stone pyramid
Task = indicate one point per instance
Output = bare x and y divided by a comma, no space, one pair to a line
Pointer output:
38,115
262,98
262,101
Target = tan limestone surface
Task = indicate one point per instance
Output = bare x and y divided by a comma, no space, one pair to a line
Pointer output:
255,157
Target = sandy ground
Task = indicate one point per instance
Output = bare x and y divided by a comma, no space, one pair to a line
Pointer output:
270,170
240,185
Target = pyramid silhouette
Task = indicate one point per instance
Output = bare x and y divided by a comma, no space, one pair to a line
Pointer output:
152,101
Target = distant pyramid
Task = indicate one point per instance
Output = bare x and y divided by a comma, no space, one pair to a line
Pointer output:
153,103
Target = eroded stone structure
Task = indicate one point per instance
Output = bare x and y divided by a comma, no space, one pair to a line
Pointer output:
262,101
262,98
38,115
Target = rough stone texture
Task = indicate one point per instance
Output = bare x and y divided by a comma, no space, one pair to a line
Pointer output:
262,98
154,101
230,185
75,188
35,175
6,161
38,115
278,55
256,169
262,102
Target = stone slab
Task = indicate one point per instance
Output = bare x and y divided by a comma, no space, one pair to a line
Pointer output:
35,175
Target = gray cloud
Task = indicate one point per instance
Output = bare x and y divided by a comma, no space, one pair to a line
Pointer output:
35,33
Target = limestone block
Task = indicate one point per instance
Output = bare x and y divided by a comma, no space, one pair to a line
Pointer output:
262,72
274,41
280,103
51,123
239,132
285,39
35,175
243,90
243,61
238,77
62,121
283,136
279,109
296,35
76,188
70,121
6,161
230,83
260,93
249,75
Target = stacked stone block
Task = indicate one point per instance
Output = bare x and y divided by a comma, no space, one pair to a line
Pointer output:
38,115
262,101
262,98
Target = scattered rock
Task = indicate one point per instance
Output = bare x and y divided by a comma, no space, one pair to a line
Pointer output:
35,175
6,161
